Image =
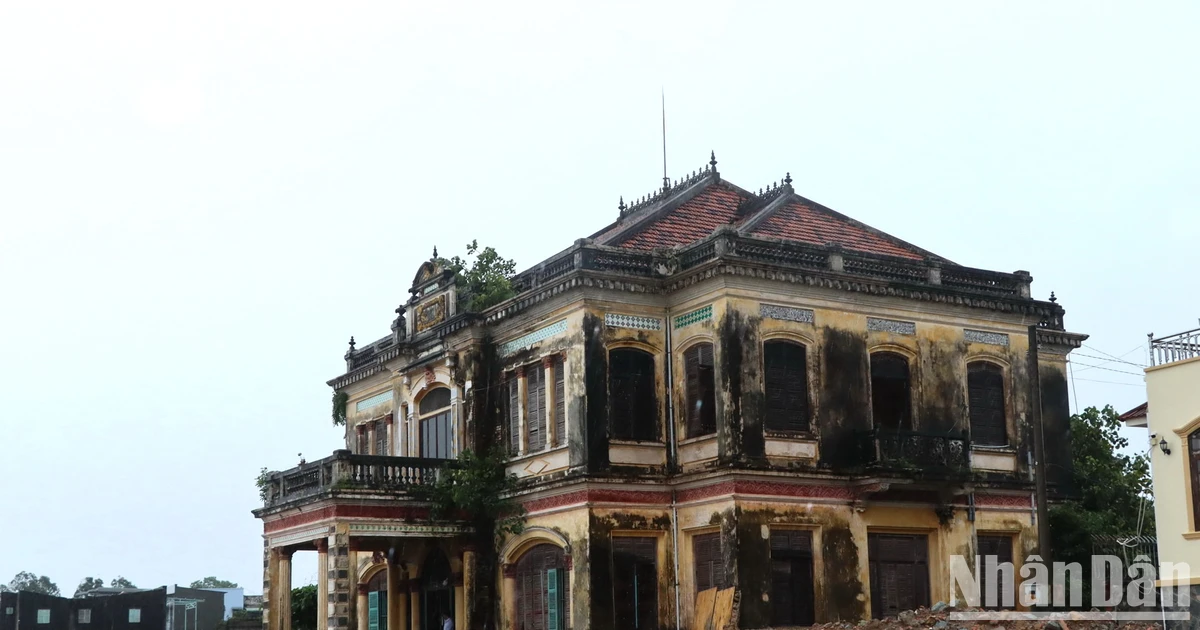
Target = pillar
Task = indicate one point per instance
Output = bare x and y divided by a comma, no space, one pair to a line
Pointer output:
414,602
339,581
469,592
270,577
393,595
355,610
548,379
460,605
285,589
323,608
508,594
363,622
521,392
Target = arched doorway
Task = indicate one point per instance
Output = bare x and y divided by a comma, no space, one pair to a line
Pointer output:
437,590
542,589
377,601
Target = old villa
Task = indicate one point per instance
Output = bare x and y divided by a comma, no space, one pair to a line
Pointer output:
720,388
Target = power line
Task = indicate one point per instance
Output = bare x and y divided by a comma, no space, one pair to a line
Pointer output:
1110,382
1089,366
1115,358
1102,359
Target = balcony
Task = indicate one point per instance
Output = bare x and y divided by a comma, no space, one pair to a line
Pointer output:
935,454
347,473
1173,348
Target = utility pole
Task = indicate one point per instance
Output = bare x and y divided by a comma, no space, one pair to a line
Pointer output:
1039,450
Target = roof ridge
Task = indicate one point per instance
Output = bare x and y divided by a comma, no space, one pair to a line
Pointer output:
654,205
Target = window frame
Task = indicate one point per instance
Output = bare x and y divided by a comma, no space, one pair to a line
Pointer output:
806,387
536,562
43,616
909,421
717,575
433,415
1000,371
83,616
135,615
695,425
624,554
649,430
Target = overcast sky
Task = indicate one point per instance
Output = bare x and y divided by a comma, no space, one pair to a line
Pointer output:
203,201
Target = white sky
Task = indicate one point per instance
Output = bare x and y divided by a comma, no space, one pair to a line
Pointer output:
202,201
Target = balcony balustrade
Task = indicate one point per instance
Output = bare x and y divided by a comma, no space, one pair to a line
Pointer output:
346,472
934,453
1177,347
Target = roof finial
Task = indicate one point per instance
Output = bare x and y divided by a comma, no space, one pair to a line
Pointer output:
435,252
1052,297
351,343
788,180
712,161
621,206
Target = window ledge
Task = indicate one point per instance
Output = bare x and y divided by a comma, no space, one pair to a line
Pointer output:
790,435
1191,535
701,438
994,449
619,442
534,455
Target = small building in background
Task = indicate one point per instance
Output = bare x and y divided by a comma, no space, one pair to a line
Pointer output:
127,610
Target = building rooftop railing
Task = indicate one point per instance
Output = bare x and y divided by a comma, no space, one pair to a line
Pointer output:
345,471
896,449
1177,347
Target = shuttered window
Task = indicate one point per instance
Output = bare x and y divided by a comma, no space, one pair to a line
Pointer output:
999,546
791,578
364,441
899,573
373,611
633,407
535,406
985,387
381,438
785,368
710,562
560,402
1194,461
512,414
891,399
543,589
701,398
635,581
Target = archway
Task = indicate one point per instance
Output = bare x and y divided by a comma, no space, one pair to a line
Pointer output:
377,602
437,590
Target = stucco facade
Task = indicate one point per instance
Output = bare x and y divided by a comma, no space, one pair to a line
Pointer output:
693,397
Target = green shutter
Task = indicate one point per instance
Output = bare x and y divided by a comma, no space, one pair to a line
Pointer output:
373,605
552,600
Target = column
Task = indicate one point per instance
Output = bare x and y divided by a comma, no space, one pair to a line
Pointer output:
548,379
360,430
323,608
460,604
341,584
414,600
393,594
521,391
285,589
508,593
388,423
364,621
355,610
270,577
469,592
402,596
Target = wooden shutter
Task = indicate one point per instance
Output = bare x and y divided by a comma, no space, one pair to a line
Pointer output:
1001,547
633,405
635,581
899,573
512,414
552,612
786,370
891,397
985,387
792,594
1194,454
709,561
560,402
373,608
701,390
535,407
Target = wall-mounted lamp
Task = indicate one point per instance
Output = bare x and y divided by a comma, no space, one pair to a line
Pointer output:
1163,446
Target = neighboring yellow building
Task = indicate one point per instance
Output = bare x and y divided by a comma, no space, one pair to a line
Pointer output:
1172,415
721,388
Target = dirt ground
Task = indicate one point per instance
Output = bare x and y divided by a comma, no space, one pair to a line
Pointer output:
924,618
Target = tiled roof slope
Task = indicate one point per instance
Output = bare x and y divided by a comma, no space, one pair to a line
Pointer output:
685,216
692,221
803,222
1139,411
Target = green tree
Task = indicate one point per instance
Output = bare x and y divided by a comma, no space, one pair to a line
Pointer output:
213,582
26,581
484,281
1112,490
304,608
87,585
120,582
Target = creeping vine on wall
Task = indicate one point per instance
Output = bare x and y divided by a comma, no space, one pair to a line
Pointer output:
339,408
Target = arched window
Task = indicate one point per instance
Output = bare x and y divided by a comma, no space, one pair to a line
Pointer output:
701,400
377,602
542,589
785,369
434,410
891,391
985,396
632,405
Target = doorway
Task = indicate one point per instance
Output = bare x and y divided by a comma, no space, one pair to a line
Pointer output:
437,590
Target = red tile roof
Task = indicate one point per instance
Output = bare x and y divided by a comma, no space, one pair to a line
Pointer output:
1137,412
807,224
691,221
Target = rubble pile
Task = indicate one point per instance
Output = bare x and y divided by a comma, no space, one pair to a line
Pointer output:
938,618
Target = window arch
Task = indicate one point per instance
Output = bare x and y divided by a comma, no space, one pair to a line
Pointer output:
785,374
891,391
632,403
542,588
701,392
434,411
985,399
